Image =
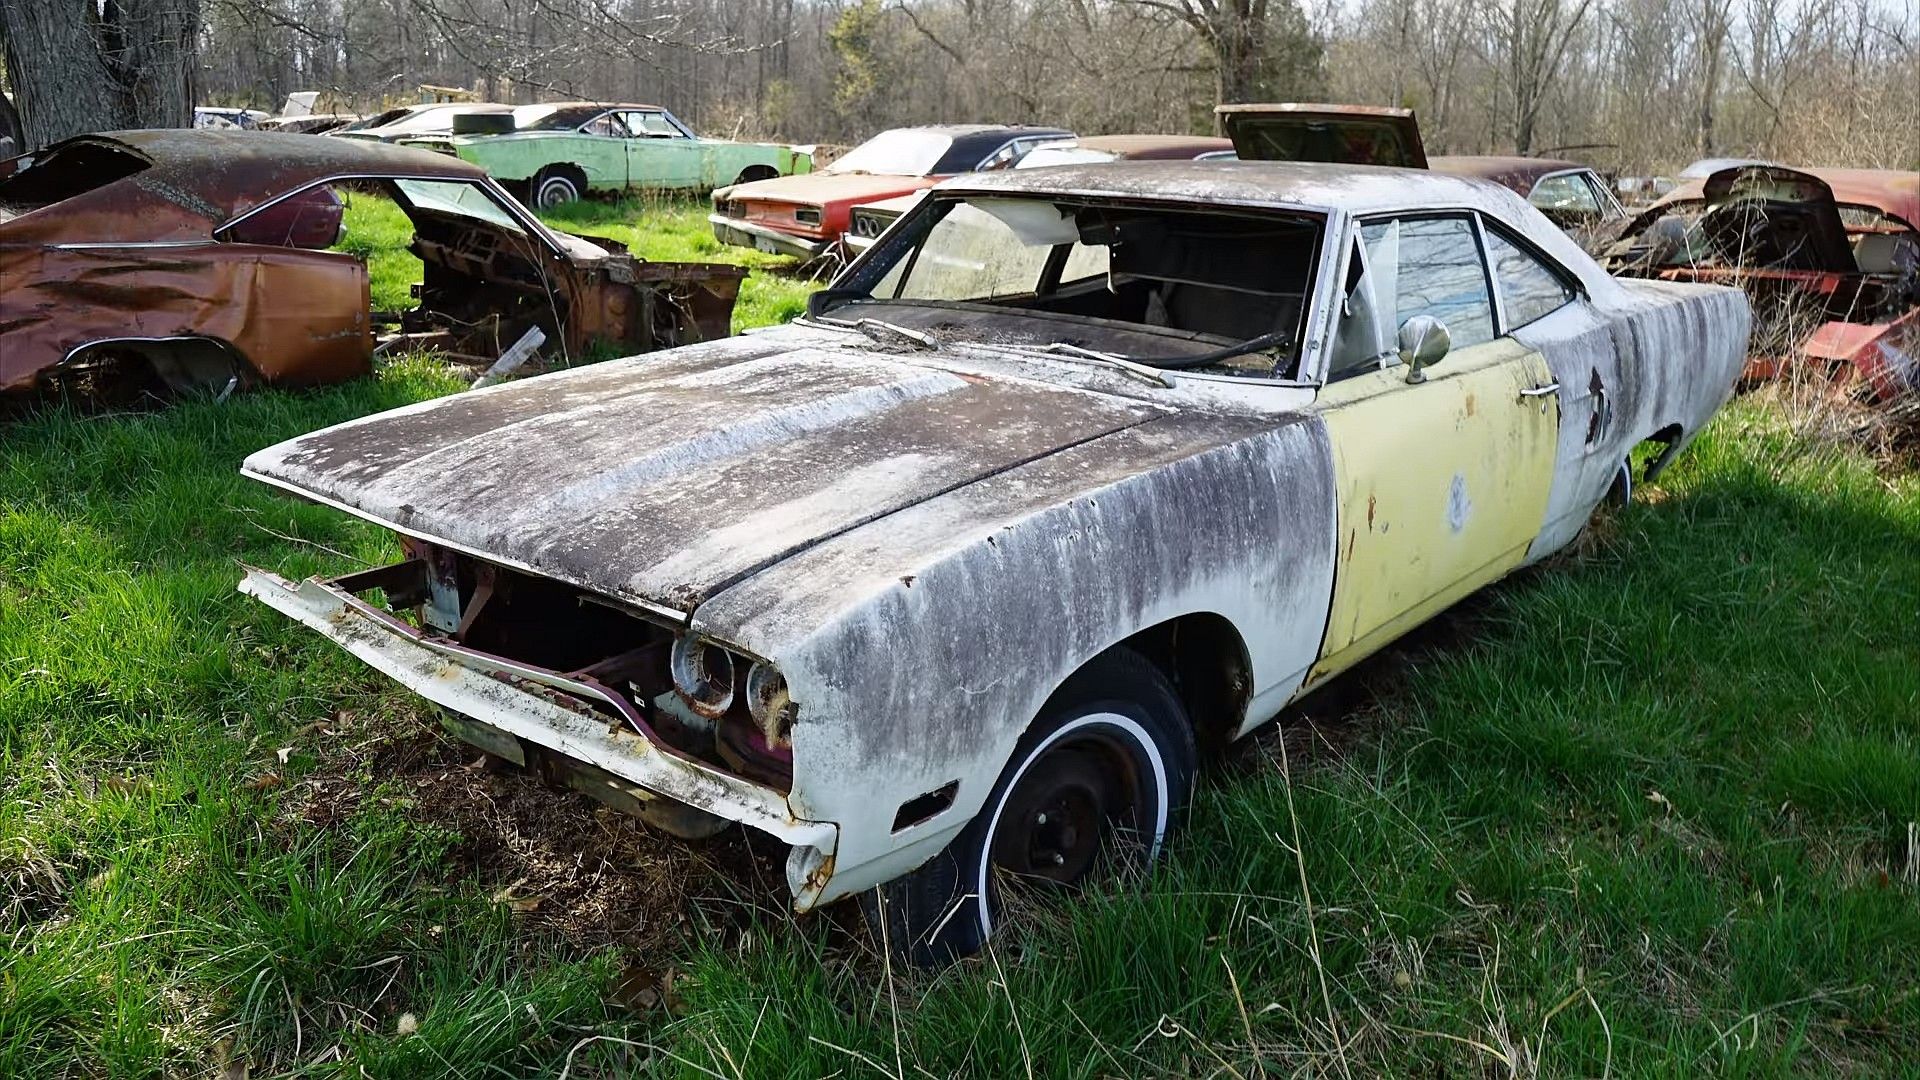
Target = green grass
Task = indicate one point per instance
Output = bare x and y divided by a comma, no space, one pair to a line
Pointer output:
1647,810
660,230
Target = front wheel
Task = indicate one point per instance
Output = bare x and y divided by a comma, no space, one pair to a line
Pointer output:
1099,779
555,187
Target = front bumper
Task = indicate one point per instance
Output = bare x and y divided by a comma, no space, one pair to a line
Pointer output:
740,233
549,710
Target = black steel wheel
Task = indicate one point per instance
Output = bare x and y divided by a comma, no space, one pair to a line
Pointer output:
1097,783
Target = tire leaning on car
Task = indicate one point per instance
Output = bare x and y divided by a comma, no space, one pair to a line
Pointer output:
1101,777
554,186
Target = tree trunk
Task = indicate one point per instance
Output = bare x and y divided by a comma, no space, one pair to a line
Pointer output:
80,66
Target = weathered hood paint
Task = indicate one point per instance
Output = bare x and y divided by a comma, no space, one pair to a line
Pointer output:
662,482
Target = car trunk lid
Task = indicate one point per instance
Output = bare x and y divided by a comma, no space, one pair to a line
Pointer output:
1339,134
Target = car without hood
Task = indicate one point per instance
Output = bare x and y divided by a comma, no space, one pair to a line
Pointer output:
1829,257
804,215
202,259
559,152
1075,469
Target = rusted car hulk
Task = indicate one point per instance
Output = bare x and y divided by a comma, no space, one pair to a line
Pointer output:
198,258
1830,258
1074,469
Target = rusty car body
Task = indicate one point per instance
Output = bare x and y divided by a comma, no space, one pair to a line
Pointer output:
205,259
803,215
1573,196
1073,469
1829,257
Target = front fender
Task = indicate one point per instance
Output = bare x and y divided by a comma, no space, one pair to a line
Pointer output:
919,647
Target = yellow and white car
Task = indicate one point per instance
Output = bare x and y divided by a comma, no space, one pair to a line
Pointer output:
1075,469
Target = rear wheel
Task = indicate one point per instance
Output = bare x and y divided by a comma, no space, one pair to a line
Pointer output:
756,172
557,185
1098,781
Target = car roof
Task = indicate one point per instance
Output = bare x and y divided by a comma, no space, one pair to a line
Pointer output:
1280,184
1150,147
1306,186
185,182
593,105
1518,173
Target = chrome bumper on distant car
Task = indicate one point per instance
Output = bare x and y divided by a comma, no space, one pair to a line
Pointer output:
734,231
514,701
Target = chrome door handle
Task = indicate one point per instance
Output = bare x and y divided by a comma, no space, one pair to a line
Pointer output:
1541,391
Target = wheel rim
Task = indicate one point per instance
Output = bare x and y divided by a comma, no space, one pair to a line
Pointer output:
554,191
1109,746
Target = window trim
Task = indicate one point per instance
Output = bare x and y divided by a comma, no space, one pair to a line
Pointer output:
1360,221
1567,278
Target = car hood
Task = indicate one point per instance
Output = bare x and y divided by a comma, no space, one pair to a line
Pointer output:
821,189
663,479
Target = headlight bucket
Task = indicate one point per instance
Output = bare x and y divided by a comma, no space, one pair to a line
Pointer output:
702,675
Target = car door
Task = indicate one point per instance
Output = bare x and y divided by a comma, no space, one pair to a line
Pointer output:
597,147
659,155
1441,483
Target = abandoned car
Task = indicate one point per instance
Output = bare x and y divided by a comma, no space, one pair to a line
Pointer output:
418,121
1829,257
557,153
803,215
866,222
173,260
1573,196
1075,469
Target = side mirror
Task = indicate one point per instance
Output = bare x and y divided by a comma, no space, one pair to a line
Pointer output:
1423,342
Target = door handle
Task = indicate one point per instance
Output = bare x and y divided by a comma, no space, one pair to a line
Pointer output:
1541,391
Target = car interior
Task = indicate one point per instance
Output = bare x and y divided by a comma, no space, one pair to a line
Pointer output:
1213,278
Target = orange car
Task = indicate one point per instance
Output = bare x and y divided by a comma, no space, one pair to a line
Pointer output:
170,260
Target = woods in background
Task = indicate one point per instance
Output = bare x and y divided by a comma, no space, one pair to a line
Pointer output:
1635,85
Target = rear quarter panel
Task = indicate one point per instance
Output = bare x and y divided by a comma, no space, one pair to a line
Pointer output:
298,317
1637,359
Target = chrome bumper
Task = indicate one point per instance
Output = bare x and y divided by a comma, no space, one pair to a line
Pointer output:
549,710
730,230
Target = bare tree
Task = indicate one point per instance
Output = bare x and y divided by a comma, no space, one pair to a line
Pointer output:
92,65
1258,47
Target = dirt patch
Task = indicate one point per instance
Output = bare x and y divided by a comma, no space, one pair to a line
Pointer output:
561,862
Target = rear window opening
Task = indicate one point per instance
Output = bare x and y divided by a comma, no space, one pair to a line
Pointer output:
56,175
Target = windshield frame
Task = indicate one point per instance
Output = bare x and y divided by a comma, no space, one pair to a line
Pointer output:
852,287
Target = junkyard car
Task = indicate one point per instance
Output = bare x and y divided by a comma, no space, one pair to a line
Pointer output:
1830,258
1573,196
560,152
185,259
1075,469
867,221
418,121
802,215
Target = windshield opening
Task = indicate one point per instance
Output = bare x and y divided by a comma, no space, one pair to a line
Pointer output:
900,152
1202,278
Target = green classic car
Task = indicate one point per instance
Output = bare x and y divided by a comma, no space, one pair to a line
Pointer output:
561,151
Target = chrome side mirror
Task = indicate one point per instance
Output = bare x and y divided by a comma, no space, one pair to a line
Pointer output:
1423,342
